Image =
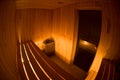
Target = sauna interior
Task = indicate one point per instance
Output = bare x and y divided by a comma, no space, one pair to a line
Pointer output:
86,36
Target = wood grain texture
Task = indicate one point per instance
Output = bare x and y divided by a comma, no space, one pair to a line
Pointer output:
8,69
34,24
63,29
63,32
109,43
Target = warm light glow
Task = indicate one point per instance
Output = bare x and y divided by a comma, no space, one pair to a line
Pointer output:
19,36
30,63
87,45
39,64
22,60
63,48
39,44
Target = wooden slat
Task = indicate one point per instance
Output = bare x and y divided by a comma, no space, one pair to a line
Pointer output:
27,65
35,66
44,68
19,63
107,70
56,68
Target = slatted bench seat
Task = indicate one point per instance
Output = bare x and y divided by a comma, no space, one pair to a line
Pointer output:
34,64
109,70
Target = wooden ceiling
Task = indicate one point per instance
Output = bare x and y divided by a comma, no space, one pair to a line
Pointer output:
46,4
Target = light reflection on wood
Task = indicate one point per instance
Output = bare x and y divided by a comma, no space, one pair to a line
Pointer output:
39,63
22,60
30,62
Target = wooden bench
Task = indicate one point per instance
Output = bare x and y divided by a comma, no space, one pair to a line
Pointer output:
109,70
34,64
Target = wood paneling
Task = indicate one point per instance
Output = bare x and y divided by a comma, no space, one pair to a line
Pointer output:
33,24
44,4
109,42
63,32
37,24
114,31
8,69
65,28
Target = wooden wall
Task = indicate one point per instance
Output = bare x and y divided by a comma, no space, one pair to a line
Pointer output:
34,24
65,29
62,26
40,24
113,52
8,69
63,32
109,42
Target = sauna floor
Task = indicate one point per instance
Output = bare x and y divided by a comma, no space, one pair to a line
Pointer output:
71,69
